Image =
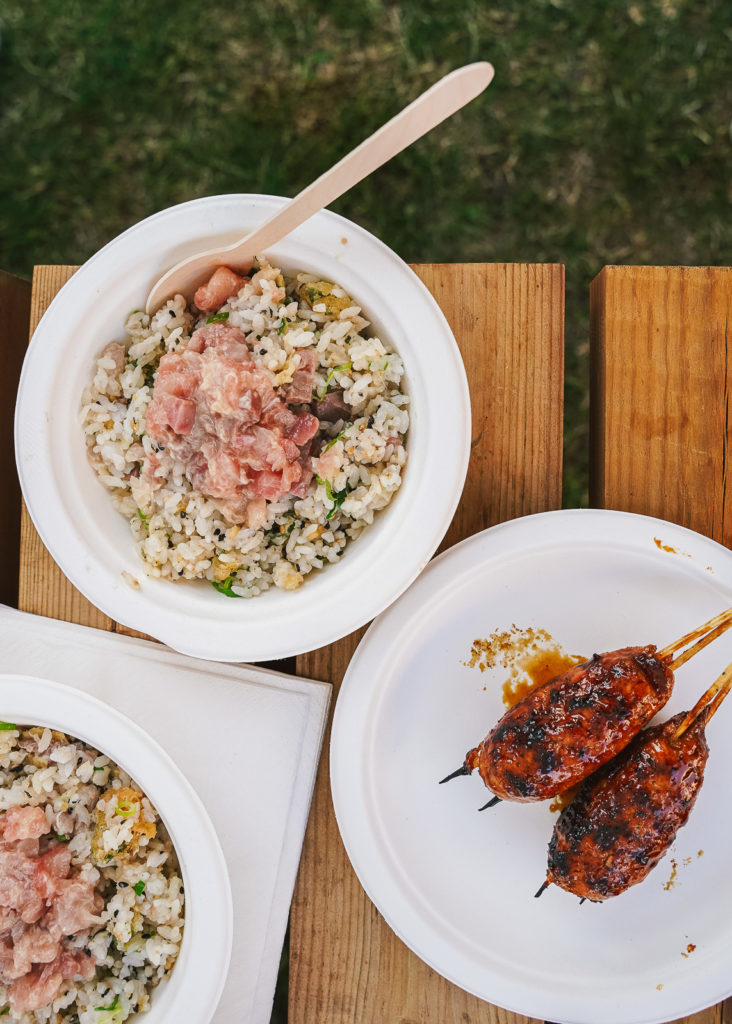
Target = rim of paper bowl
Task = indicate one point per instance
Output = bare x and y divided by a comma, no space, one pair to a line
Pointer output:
194,987
96,551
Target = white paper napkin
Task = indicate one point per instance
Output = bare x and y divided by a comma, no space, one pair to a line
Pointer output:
248,741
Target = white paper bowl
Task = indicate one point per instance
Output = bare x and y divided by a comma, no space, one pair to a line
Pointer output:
93,544
194,987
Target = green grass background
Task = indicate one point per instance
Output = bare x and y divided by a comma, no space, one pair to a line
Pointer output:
605,137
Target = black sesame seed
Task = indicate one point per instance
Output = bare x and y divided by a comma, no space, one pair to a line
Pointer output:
123,885
183,514
263,351
171,312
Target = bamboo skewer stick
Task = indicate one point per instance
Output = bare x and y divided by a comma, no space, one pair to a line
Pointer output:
709,702
699,646
713,708
722,621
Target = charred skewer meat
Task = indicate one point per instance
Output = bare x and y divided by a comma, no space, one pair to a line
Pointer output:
625,817
562,732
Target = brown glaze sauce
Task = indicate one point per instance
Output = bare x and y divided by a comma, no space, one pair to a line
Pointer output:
562,800
534,669
532,656
668,886
672,550
664,547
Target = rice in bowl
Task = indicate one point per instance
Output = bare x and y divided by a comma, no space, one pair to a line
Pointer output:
309,344
91,894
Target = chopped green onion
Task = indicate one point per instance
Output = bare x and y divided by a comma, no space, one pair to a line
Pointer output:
283,326
337,497
225,587
62,838
7,727
112,1014
218,318
5,1009
336,369
144,519
112,1006
127,808
101,767
336,438
139,887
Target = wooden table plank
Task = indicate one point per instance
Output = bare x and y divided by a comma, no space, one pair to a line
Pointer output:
660,385
509,321
15,297
346,965
44,589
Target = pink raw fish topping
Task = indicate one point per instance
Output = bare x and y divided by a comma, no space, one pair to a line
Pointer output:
223,284
36,990
40,906
303,379
23,823
217,412
75,908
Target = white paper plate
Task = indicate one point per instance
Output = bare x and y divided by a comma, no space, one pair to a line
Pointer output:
93,544
194,987
457,886
218,724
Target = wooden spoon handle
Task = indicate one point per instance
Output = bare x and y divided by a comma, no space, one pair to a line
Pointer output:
435,105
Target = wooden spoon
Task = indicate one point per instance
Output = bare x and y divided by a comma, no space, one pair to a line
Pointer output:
435,105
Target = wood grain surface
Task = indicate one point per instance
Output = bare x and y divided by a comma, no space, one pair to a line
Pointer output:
661,378
15,297
43,588
660,435
346,965
660,392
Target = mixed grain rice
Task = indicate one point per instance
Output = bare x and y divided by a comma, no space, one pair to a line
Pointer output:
132,864
182,534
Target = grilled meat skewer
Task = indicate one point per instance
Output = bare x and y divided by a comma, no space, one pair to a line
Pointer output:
565,730
624,819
